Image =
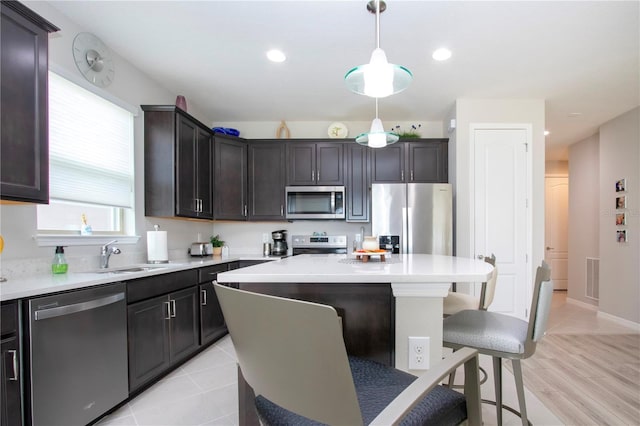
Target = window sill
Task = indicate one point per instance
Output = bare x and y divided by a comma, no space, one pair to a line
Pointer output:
83,240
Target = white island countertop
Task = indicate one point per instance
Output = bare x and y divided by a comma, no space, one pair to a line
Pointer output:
419,283
344,268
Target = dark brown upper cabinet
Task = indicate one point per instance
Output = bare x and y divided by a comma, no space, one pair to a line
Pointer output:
230,178
315,163
428,161
267,177
178,158
24,142
423,160
357,182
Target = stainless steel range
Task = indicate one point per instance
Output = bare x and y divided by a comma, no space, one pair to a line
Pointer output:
318,244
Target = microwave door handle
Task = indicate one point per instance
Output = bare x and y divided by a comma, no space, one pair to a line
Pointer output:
333,202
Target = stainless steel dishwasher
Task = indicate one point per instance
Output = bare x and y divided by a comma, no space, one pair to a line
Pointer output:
77,355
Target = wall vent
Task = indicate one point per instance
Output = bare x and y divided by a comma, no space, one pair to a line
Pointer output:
593,278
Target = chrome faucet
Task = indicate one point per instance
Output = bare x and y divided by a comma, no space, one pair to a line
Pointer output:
106,252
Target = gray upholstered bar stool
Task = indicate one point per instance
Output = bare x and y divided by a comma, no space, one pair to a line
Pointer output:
503,336
456,302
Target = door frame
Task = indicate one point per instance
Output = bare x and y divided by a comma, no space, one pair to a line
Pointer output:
528,128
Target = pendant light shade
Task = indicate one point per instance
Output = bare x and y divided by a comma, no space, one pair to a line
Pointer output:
378,78
377,137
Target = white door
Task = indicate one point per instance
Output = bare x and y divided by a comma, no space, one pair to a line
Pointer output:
501,213
556,210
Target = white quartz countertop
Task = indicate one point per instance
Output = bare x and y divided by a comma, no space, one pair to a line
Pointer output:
37,285
344,268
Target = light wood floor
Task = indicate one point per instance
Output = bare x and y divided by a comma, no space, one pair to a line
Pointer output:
587,375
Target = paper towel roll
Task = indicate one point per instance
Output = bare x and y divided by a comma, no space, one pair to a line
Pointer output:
157,247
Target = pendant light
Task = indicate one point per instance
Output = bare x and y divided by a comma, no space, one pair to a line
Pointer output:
378,78
377,137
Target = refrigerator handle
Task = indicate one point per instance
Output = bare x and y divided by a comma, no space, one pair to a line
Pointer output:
405,231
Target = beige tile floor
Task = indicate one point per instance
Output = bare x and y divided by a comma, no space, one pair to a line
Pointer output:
203,391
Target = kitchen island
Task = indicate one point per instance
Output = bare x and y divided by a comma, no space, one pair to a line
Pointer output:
382,303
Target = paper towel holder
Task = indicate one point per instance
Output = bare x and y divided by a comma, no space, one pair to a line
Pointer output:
163,257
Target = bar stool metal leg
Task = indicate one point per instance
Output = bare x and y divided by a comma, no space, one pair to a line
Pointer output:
517,373
497,381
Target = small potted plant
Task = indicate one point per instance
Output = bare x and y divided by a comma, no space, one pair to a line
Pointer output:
412,133
217,244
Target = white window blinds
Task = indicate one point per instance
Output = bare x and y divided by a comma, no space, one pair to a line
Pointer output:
90,147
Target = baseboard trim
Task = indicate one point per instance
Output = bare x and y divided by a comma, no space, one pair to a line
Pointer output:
582,304
633,325
621,321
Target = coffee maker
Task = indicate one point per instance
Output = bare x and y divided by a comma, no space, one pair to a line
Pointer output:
279,243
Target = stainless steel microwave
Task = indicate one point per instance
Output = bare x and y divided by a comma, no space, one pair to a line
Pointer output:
315,202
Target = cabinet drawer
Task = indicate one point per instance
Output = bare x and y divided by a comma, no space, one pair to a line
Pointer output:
9,318
145,288
209,273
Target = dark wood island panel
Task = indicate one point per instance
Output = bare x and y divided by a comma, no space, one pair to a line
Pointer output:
367,311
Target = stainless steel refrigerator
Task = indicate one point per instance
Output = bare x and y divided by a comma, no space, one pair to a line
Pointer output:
413,217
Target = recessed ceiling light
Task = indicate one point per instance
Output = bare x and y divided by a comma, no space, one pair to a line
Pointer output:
441,54
276,55
546,133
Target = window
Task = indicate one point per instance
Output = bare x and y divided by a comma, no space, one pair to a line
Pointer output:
90,162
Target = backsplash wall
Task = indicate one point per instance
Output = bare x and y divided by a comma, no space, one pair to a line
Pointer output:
246,238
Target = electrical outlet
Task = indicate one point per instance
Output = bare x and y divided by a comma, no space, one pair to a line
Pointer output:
418,353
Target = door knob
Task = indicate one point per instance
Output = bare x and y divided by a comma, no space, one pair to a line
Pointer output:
549,248
480,256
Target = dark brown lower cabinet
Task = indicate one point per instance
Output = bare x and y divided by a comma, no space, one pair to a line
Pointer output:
162,331
10,380
212,325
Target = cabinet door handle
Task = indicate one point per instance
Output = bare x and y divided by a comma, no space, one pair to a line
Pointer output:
168,306
173,308
313,175
245,210
318,176
201,205
203,298
14,364
281,210
412,175
402,175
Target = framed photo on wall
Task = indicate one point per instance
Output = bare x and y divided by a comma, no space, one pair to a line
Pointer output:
621,185
621,236
621,219
621,202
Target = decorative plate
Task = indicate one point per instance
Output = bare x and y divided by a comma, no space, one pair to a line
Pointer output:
337,130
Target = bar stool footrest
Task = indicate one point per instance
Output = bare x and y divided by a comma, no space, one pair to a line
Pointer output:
506,407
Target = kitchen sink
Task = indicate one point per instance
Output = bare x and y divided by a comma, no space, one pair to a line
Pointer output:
128,270
137,269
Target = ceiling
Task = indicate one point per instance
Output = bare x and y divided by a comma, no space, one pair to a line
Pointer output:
580,57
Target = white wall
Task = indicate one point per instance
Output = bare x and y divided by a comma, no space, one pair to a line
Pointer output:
556,168
318,129
619,266
476,111
584,213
